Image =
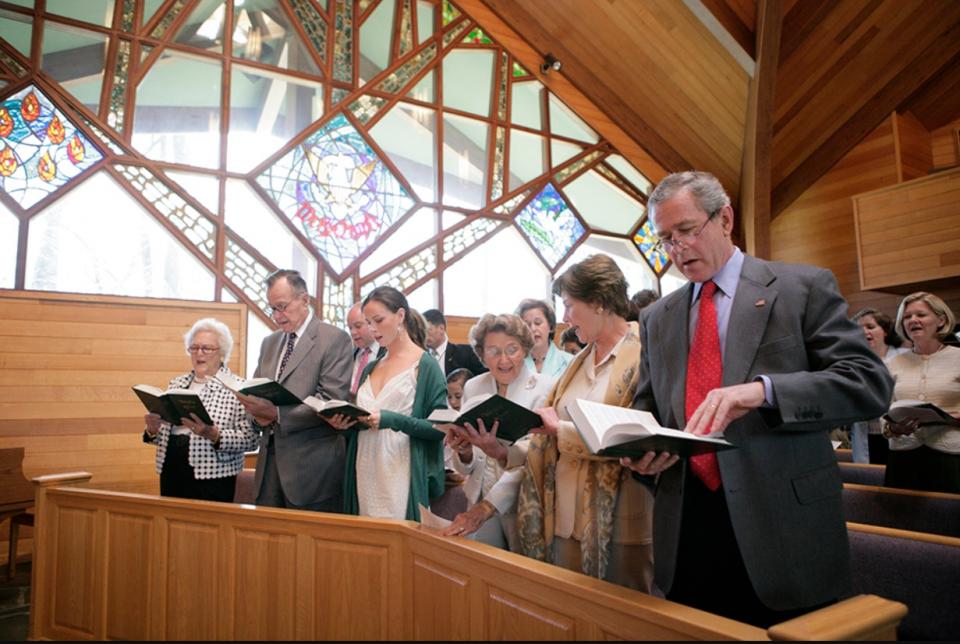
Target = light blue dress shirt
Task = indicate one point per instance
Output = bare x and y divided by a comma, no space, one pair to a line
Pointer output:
726,279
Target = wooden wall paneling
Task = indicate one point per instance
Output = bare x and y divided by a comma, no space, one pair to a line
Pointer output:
67,362
914,154
925,211
945,145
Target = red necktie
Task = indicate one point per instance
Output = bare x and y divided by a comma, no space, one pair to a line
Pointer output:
704,372
361,363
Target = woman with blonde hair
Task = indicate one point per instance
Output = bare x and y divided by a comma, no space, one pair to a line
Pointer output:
925,457
579,511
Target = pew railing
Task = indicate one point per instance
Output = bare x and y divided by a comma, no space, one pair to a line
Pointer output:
112,565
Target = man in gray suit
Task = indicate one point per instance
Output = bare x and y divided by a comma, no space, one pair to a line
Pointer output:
300,464
767,356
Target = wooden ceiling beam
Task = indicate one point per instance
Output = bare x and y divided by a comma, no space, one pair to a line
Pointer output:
799,21
756,175
894,94
727,17
577,86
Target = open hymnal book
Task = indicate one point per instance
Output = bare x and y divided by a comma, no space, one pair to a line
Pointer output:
331,407
515,420
925,412
608,430
266,388
172,404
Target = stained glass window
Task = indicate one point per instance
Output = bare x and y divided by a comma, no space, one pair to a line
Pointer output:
337,191
381,141
42,150
646,240
550,226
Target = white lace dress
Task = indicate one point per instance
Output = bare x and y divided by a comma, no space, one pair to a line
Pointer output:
383,455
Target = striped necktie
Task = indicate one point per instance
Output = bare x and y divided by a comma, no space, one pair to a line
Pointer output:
291,340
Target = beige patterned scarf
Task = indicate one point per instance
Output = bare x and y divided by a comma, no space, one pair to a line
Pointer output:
537,502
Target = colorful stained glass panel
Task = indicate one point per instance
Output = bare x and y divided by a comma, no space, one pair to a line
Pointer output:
550,226
337,191
645,240
41,149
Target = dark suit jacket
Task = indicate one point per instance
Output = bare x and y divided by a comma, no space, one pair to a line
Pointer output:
309,452
782,484
461,356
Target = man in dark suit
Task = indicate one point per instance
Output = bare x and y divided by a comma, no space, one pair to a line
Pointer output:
366,348
301,459
451,356
764,352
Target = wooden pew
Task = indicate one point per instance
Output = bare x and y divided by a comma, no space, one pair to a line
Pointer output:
130,566
915,510
920,570
844,455
16,500
862,473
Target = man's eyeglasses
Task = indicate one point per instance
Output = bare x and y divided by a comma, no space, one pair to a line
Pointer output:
493,353
279,308
202,348
682,238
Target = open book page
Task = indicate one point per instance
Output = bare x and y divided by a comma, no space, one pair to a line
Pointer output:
331,407
925,412
430,520
609,430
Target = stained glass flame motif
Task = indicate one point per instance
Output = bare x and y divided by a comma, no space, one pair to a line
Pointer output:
40,149
550,225
337,191
646,242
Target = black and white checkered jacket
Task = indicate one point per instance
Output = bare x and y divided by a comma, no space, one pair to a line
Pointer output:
237,435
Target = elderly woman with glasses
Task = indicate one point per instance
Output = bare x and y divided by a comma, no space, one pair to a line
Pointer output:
194,460
493,470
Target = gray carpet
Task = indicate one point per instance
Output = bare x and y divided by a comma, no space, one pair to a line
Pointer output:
15,604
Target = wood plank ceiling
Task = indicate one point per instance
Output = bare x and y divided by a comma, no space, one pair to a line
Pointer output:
844,65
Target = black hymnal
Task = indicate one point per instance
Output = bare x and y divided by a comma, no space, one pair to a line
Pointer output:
515,420
173,404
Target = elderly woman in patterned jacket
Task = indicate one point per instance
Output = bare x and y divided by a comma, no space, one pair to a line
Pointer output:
194,460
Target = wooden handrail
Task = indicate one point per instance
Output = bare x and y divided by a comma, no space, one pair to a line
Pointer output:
56,480
861,617
897,533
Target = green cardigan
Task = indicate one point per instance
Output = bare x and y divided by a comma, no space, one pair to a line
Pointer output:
426,443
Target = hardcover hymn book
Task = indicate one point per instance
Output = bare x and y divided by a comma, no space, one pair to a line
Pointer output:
515,420
608,430
173,404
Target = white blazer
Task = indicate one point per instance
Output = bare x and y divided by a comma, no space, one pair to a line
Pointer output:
486,479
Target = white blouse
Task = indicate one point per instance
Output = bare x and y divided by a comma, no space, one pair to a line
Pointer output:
383,455
486,479
933,378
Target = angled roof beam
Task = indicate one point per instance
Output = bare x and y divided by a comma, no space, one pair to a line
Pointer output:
756,182
930,61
